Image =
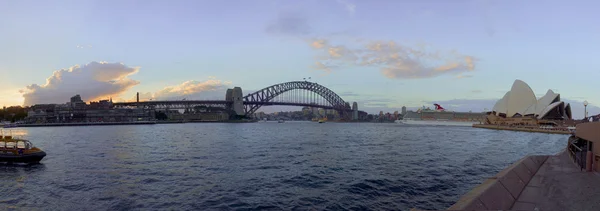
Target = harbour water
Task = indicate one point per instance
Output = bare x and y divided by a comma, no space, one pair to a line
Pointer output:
265,165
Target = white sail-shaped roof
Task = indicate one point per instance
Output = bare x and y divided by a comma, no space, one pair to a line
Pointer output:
549,108
502,104
530,110
520,98
549,98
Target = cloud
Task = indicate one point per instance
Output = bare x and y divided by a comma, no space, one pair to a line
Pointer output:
211,89
194,88
323,67
348,94
319,43
463,76
10,97
92,81
476,91
350,7
289,23
84,46
394,60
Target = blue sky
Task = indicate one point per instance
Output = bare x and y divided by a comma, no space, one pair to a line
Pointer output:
254,44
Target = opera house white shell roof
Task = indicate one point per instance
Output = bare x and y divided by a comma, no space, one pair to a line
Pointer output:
521,101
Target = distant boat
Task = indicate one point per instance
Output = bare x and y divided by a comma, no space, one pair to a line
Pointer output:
440,116
281,121
323,120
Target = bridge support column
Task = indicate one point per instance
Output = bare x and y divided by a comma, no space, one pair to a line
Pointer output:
354,111
236,97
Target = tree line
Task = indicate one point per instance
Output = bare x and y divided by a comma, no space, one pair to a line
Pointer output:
13,113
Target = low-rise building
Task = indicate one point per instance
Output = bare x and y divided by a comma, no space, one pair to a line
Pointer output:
78,111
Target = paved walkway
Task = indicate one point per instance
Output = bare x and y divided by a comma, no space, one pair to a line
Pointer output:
559,184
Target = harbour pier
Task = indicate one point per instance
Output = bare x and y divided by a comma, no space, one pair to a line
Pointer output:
557,130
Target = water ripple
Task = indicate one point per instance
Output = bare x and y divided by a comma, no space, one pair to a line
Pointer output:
262,166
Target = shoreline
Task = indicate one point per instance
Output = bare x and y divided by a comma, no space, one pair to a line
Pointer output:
522,129
76,124
86,124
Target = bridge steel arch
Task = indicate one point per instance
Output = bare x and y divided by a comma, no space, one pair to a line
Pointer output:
267,94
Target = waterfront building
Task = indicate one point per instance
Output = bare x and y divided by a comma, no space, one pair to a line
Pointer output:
76,110
322,112
315,111
306,110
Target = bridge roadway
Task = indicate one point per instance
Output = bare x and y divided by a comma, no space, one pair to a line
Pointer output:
293,93
183,104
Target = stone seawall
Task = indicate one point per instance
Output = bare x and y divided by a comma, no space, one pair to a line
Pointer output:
501,191
523,129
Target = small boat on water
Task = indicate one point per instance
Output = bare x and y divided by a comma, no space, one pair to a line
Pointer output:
323,120
14,150
281,121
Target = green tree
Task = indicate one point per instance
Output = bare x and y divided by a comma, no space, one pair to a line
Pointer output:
13,113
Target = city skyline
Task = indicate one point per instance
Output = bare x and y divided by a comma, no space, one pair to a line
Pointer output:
384,55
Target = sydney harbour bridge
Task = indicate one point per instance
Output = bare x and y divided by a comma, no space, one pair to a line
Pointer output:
294,93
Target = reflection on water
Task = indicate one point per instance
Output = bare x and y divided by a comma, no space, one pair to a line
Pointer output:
14,132
22,167
261,166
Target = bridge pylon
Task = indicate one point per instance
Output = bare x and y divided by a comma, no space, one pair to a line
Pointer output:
235,100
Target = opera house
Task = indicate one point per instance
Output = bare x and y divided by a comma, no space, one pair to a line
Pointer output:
519,106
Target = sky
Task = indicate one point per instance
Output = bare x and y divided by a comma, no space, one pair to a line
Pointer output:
462,54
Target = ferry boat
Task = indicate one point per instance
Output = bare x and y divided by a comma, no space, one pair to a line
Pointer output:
14,150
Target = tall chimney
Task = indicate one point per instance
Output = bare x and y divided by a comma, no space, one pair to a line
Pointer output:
137,97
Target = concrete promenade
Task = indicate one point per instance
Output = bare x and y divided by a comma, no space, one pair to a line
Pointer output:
536,183
560,185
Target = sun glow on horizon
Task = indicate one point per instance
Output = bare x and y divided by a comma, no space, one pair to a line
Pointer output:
11,97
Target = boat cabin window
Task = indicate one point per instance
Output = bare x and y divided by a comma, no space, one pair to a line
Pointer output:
20,144
2,144
10,145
